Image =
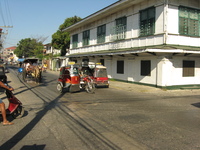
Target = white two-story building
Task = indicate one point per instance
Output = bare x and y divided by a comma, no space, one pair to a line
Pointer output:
153,42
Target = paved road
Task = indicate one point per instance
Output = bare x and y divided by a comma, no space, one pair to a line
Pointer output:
134,119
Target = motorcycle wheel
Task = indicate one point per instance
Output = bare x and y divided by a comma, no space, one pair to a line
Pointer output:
82,86
59,88
90,86
18,113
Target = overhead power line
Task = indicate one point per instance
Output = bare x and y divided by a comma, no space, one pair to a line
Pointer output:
6,26
7,10
5,20
2,14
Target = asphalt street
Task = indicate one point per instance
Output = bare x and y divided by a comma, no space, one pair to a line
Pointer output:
38,130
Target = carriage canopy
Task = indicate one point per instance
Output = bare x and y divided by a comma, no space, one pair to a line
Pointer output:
32,60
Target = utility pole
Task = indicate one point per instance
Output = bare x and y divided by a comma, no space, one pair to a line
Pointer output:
6,26
2,39
2,33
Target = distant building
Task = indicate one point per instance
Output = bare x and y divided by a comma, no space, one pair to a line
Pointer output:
56,62
153,42
48,49
8,54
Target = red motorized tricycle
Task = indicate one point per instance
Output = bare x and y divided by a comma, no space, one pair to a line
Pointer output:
70,78
100,76
15,108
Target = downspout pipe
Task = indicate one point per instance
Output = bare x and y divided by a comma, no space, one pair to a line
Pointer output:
165,15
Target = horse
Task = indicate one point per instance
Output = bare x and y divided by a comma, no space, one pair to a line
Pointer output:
37,74
34,72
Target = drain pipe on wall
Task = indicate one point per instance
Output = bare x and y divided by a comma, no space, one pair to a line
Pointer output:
165,16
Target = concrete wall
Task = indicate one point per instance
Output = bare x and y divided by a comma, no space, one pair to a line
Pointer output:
132,34
132,69
173,28
167,21
166,70
176,73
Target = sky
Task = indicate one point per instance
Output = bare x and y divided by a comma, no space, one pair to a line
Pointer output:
41,18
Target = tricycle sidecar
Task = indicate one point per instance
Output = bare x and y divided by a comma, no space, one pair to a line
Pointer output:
69,78
100,76
74,77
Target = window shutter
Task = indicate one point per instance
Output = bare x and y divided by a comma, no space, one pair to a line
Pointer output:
75,41
147,21
145,68
189,21
188,68
120,67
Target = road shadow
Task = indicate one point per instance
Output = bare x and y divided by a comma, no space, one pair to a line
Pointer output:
25,130
32,147
196,105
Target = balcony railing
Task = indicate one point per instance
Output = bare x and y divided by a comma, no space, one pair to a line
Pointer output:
100,38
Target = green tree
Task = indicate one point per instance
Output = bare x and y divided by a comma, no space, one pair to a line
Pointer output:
29,47
60,39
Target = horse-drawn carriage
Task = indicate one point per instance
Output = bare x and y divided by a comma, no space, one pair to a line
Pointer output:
31,70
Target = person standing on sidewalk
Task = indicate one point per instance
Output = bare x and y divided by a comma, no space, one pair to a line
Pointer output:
2,106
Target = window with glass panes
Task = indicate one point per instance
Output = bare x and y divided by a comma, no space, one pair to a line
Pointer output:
189,21
86,37
147,21
101,33
75,40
